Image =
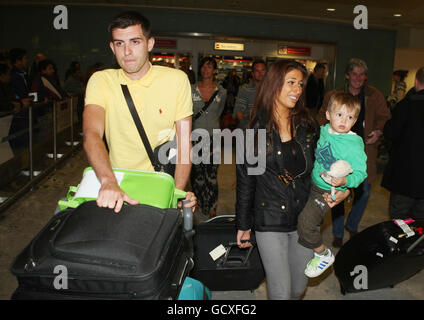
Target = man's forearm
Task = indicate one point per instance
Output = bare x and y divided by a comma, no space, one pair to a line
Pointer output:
98,157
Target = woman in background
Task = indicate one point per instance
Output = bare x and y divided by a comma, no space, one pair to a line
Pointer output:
399,89
203,178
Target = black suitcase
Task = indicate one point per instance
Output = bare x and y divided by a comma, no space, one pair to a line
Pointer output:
237,269
94,253
380,257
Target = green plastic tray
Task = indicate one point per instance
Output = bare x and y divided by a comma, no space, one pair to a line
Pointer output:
152,188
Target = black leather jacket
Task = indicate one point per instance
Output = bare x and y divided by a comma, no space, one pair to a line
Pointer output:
266,203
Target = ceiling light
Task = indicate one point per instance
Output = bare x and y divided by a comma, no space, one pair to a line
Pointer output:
330,9
397,15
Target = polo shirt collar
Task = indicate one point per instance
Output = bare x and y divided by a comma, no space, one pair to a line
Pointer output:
146,81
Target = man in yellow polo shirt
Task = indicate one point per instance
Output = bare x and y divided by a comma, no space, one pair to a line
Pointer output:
162,97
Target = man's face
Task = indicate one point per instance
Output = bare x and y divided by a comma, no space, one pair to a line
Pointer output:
22,64
259,72
131,49
356,78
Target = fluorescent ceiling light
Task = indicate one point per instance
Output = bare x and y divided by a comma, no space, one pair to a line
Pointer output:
397,15
331,9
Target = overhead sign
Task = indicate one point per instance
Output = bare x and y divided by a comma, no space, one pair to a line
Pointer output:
296,51
229,46
165,43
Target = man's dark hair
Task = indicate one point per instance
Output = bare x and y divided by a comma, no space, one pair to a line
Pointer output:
257,61
319,66
130,18
16,54
4,68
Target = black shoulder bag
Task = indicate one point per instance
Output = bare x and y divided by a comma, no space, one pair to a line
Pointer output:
203,110
153,155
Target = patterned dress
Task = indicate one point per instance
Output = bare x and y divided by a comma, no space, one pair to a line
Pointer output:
203,178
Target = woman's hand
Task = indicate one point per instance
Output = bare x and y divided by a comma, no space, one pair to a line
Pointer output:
340,196
243,235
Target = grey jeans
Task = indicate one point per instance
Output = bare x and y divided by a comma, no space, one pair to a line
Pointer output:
284,261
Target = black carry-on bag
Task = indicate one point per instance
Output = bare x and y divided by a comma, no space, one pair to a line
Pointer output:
381,256
93,253
233,268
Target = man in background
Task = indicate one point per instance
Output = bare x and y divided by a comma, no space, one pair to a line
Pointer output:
404,174
246,95
315,88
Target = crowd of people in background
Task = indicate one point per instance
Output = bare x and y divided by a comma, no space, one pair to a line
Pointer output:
23,83
42,77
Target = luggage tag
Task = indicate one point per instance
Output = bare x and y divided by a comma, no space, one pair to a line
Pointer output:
393,239
405,228
218,252
407,221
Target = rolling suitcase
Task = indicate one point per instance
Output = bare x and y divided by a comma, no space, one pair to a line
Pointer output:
93,253
235,269
381,256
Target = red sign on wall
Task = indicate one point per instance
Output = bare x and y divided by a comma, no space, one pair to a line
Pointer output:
296,51
165,43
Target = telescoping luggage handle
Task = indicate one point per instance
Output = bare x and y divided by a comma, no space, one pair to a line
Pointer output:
238,260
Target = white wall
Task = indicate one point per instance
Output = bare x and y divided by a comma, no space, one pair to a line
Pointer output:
410,59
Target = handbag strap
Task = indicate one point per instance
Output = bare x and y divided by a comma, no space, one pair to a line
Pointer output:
139,126
203,110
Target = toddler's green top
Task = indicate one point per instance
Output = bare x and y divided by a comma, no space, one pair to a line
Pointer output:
334,146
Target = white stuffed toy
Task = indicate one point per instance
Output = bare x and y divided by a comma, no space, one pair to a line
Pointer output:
338,169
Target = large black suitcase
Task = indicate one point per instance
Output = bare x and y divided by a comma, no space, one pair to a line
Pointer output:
237,269
380,256
94,253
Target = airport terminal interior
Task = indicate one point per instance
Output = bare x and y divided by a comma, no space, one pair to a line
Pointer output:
50,158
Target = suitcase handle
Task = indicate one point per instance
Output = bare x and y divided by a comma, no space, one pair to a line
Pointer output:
226,261
415,244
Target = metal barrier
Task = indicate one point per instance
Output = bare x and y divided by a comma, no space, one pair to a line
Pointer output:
64,120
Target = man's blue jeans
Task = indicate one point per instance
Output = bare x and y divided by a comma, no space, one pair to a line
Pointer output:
362,194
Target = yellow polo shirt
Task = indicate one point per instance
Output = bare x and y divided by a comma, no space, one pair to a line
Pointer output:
161,97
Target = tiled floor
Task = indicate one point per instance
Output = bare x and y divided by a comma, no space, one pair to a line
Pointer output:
22,221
